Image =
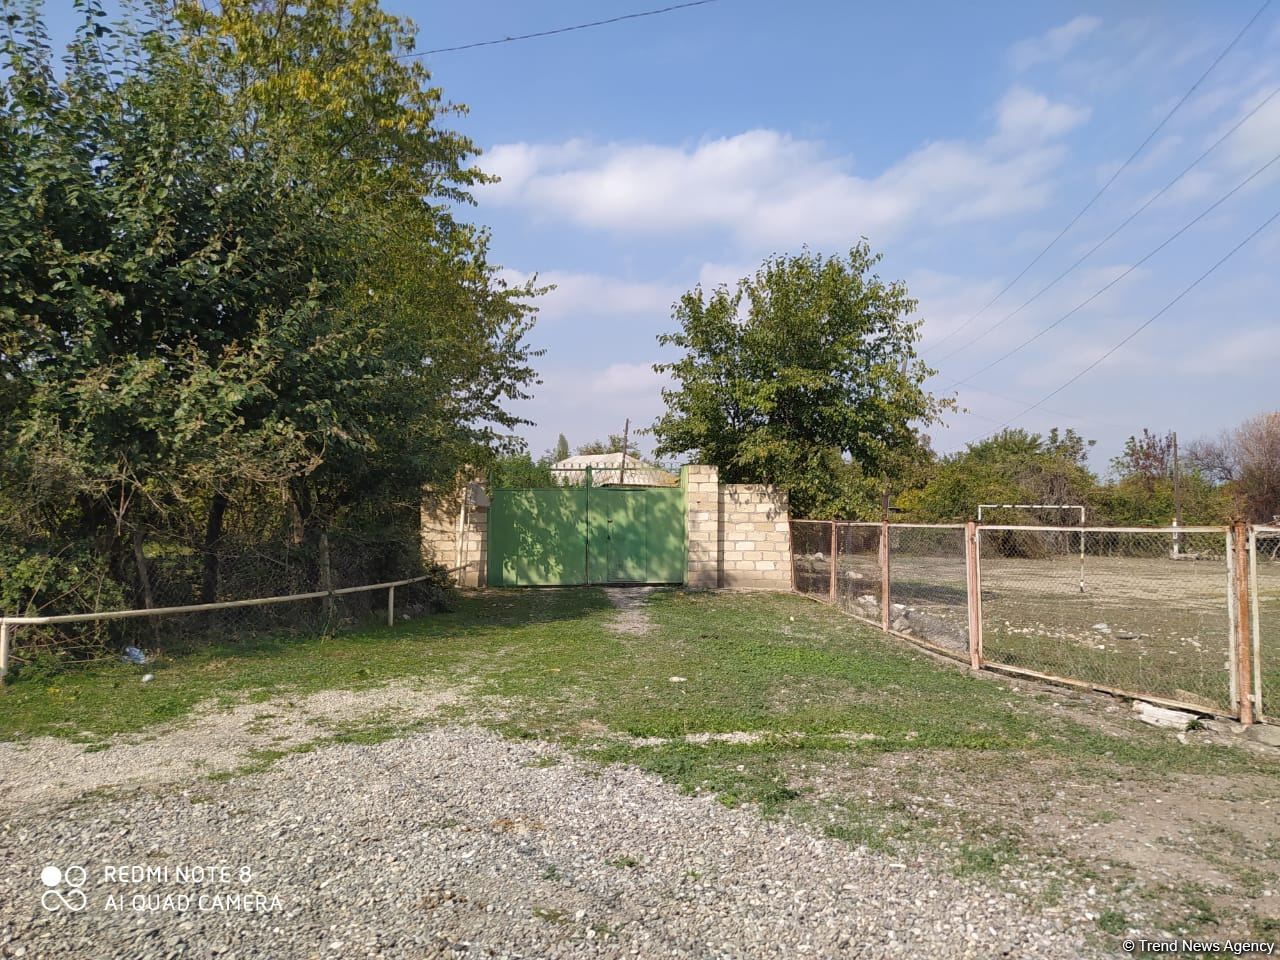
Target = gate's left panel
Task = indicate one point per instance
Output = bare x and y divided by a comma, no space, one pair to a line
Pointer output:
538,537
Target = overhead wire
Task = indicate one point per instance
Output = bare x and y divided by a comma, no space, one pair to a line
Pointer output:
1130,269
1114,176
558,30
1124,223
1138,329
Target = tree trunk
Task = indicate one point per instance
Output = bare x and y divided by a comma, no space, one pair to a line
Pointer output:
212,540
140,561
326,578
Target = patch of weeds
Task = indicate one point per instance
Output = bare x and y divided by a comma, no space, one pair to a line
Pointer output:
985,859
550,873
1113,922
859,833
542,762
1199,911
625,862
551,914
99,795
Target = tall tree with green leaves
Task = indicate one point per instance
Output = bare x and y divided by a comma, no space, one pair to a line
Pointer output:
804,375
229,265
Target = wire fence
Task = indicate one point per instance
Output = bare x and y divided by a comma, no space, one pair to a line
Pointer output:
1264,592
1184,616
1147,612
927,586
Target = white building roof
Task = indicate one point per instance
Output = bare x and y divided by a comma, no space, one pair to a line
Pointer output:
607,468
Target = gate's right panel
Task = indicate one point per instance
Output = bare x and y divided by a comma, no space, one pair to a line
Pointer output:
664,534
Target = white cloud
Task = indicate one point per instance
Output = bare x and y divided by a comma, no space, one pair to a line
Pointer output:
1247,350
768,189
1025,116
628,379
1052,45
596,294
1255,142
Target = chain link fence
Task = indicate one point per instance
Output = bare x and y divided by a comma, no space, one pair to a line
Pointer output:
1145,612
1141,611
927,586
1264,584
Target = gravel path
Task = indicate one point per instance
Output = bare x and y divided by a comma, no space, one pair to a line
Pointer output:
456,842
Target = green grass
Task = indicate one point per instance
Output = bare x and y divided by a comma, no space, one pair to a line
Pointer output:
800,677
105,699
811,697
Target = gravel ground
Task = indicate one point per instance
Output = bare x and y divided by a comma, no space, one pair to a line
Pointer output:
47,770
456,842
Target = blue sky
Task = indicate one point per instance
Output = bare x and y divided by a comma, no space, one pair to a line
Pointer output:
641,158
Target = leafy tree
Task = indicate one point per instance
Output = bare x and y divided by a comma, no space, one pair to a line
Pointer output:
518,471
1147,458
229,266
612,445
561,451
804,375
1013,466
1246,462
1142,491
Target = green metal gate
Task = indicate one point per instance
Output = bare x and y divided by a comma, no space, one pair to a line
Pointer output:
579,535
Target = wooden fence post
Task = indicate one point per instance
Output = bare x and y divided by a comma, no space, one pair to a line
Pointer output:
326,579
885,618
1242,639
973,594
834,546
4,649
391,606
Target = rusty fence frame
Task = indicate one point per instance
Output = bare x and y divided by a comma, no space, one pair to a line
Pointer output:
1262,710
1243,640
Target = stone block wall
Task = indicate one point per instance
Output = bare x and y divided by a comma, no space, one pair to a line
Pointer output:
738,534
754,538
442,544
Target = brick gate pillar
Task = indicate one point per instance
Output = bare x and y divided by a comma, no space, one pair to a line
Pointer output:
702,525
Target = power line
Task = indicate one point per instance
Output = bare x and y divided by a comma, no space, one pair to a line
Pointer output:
1112,179
1132,267
1140,327
1124,223
557,30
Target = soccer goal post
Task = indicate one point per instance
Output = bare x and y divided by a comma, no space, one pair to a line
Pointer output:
1070,507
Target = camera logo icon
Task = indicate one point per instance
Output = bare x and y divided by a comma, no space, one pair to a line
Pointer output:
55,898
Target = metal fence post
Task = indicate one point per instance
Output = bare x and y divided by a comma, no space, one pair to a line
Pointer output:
885,618
391,605
834,545
1243,645
973,594
4,649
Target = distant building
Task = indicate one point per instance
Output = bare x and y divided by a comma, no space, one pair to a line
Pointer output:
609,468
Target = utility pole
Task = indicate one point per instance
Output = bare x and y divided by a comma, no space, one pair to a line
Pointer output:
1177,497
622,470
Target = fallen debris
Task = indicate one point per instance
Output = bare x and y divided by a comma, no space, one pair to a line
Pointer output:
1149,713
